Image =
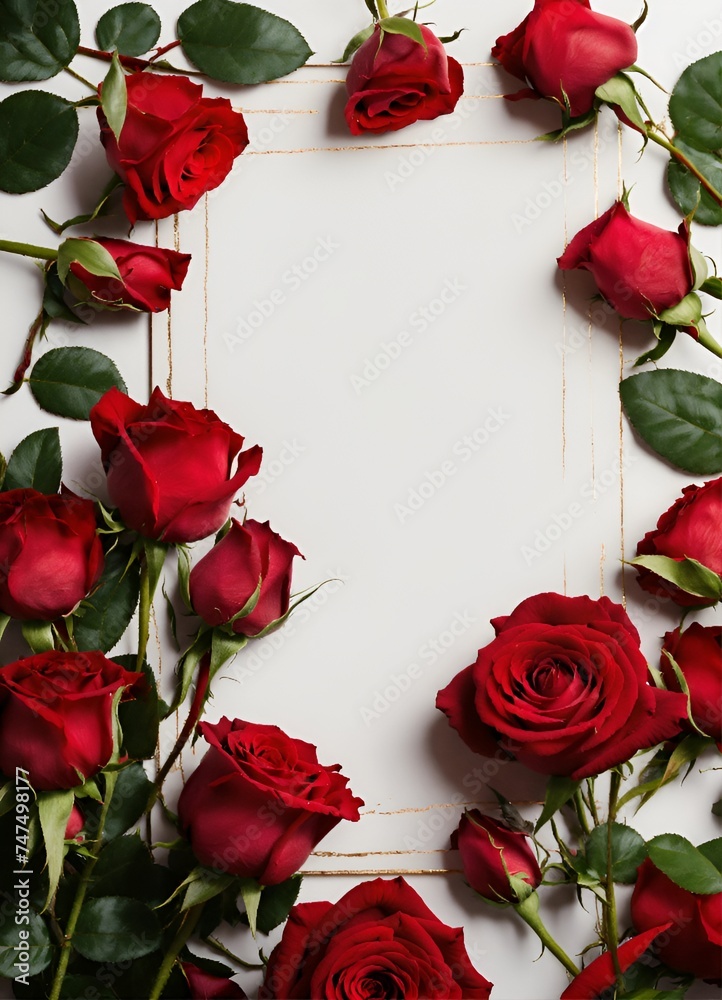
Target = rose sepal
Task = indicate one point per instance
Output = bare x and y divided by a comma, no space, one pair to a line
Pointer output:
570,124
620,92
297,600
54,810
689,575
401,26
78,220
38,635
355,43
114,96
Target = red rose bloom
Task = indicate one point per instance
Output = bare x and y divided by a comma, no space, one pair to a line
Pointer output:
690,529
640,269
147,275
50,553
379,940
56,716
174,145
225,579
698,653
599,976
400,83
564,688
694,941
170,466
259,801
490,853
564,49
205,986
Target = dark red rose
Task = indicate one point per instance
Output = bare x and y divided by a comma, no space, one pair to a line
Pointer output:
204,986
174,145
225,579
693,943
379,940
564,49
599,976
147,275
690,529
170,466
76,822
640,269
563,688
490,853
50,553
400,83
56,716
259,801
698,653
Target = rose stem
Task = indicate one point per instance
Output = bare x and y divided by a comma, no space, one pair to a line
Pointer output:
144,603
28,250
27,355
610,907
130,62
528,910
204,670
185,930
110,779
87,83
705,338
221,949
383,9
679,155
592,803
581,812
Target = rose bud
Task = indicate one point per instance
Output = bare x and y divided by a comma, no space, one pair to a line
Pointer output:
690,529
694,941
147,275
379,940
640,269
491,853
698,653
169,465
256,779
563,688
76,822
565,51
56,716
175,144
399,81
225,579
50,553
205,986
599,978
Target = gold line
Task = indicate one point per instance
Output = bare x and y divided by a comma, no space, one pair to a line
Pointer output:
335,65
621,469
368,854
270,83
443,805
276,111
205,300
481,97
384,871
394,145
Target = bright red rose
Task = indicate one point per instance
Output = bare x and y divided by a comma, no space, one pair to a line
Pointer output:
204,986
50,553
174,145
400,83
640,269
698,653
259,801
564,49
147,275
599,976
379,940
490,853
56,716
690,529
170,466
225,579
563,688
693,943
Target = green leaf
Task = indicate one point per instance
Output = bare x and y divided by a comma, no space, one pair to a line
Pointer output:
684,864
114,96
238,43
38,132
403,26
559,791
38,942
89,254
131,28
108,611
628,852
38,635
69,381
115,928
139,718
276,903
54,810
130,798
686,189
712,850
203,884
687,574
679,415
36,463
356,42
85,986
37,39
251,892
124,865
695,106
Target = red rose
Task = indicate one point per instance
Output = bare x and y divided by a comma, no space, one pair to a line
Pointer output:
76,822
690,529
170,466
379,940
490,853
400,83
204,986
56,716
565,50
693,943
174,145
50,553
147,275
563,688
640,269
259,801
224,580
698,653
599,976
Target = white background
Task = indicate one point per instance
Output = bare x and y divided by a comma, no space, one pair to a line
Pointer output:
469,202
